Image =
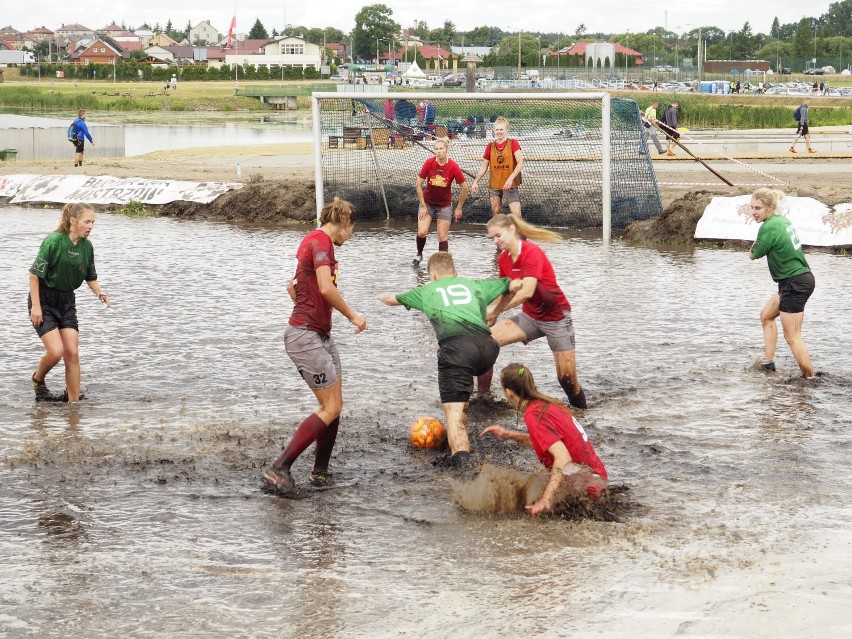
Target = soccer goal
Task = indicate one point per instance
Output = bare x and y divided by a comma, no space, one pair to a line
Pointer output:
586,159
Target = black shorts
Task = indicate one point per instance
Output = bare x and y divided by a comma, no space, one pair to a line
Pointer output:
460,359
58,309
79,145
795,291
803,129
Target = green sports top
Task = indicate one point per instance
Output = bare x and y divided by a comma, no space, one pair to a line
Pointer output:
63,265
778,241
455,305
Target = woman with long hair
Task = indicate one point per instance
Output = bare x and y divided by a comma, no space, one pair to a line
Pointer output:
65,260
556,436
309,344
545,311
778,241
436,199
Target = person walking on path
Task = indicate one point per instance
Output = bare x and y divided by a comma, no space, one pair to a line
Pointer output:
79,137
65,260
669,126
456,307
778,242
504,159
650,122
559,441
438,174
545,310
309,344
802,128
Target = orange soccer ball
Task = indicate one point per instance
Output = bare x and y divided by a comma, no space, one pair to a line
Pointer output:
427,432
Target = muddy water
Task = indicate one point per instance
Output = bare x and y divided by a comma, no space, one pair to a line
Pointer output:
140,511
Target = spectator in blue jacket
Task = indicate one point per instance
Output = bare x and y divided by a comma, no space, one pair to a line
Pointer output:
81,133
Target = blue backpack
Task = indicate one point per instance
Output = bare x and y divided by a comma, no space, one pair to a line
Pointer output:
72,131
797,114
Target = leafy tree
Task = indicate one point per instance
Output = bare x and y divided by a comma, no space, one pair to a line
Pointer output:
258,31
803,42
775,29
838,19
484,36
581,30
168,30
421,30
371,22
274,32
187,31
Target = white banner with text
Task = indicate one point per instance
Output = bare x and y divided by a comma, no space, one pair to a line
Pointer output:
103,189
729,218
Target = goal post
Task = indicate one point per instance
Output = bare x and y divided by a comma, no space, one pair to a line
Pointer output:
586,159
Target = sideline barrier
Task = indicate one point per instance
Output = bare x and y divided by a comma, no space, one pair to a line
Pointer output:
105,189
729,218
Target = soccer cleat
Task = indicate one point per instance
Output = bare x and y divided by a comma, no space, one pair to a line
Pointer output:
321,478
416,261
281,481
792,150
768,366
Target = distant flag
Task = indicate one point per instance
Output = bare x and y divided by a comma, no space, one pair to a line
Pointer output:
231,32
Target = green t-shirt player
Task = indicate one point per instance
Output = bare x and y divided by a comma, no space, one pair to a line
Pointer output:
778,241
456,307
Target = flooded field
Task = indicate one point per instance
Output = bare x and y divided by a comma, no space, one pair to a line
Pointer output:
139,511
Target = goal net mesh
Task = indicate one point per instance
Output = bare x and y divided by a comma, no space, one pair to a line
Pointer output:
374,145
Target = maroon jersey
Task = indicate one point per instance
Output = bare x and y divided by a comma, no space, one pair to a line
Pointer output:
549,423
439,180
311,309
548,303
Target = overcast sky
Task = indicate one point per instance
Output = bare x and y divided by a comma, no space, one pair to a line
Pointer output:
609,16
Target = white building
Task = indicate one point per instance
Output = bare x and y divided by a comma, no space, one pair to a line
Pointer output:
204,33
288,51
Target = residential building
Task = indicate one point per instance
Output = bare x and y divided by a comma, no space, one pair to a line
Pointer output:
161,40
204,33
74,32
100,50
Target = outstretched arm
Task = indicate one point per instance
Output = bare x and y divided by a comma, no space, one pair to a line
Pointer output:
561,457
504,433
389,299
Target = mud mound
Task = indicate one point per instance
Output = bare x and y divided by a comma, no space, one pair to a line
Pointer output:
677,223
262,201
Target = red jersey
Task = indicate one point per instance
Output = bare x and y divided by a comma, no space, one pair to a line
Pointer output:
311,309
439,180
548,303
549,423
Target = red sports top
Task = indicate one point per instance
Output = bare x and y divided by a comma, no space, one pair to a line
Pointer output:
548,303
311,309
439,180
549,423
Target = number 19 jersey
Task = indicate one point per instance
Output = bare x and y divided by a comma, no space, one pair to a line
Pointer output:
455,305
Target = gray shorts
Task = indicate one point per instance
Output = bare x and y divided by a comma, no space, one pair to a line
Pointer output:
559,333
508,196
440,212
314,355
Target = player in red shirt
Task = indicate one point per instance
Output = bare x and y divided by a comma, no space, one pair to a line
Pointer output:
438,174
308,341
558,439
545,311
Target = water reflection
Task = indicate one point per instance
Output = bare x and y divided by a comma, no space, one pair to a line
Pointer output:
149,490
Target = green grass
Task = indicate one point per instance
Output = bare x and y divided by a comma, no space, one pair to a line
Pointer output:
134,209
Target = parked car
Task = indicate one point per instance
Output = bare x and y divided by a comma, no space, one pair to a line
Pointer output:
453,81
814,71
337,78
785,71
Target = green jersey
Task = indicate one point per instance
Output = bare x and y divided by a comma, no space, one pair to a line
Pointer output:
455,305
778,241
63,265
